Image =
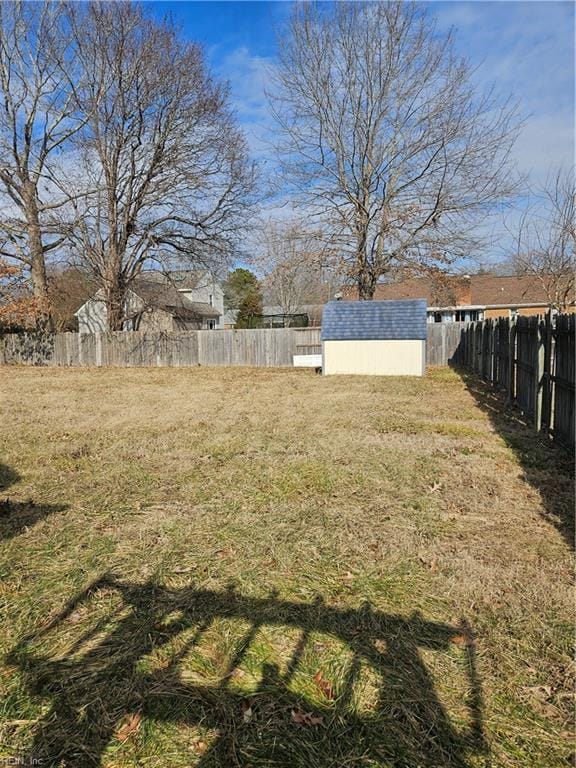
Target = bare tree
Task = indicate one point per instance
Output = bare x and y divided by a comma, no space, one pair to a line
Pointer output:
38,116
546,240
293,260
161,149
384,136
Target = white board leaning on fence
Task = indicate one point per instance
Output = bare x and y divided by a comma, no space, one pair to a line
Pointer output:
377,338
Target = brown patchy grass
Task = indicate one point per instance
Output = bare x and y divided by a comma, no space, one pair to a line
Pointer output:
232,567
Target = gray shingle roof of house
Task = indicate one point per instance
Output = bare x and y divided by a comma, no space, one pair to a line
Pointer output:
349,320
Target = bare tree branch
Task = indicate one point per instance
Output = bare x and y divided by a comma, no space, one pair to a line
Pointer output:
384,137
38,76
546,240
294,261
160,148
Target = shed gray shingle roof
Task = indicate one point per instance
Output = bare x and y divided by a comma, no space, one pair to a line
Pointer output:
349,320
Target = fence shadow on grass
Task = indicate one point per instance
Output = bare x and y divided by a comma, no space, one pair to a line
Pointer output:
16,516
548,468
105,678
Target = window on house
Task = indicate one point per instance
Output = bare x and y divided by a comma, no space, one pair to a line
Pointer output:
210,300
437,317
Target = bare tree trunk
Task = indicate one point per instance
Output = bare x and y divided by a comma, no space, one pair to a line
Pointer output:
115,308
366,286
115,297
365,276
37,260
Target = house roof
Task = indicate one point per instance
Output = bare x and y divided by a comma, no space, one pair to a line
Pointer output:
440,290
363,320
192,278
509,289
276,309
201,309
158,291
459,291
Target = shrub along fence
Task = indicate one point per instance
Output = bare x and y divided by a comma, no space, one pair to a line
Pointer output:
533,360
259,347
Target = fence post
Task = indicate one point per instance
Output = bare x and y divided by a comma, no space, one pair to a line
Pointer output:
511,358
546,371
538,375
492,350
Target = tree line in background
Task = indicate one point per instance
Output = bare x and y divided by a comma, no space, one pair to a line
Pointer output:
119,152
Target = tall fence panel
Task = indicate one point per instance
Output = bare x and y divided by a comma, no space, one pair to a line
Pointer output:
527,374
256,347
532,359
562,377
253,347
443,344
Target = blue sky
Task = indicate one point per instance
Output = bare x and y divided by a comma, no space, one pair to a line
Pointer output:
523,48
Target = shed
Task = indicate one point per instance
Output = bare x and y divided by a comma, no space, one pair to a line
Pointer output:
381,338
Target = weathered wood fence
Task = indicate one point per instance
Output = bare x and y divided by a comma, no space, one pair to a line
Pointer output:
532,359
257,347
443,342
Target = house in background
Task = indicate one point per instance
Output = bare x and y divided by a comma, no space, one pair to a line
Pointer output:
230,318
185,300
461,298
201,287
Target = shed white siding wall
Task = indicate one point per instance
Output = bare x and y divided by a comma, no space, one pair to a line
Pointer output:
405,357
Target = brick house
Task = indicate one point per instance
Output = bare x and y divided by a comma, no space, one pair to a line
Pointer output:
459,298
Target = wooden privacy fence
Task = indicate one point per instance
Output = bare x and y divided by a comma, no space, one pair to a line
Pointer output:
533,360
443,342
258,347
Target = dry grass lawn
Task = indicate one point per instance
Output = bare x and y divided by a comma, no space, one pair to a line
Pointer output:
232,567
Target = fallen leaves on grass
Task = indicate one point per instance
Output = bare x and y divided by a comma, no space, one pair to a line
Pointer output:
306,718
200,747
324,685
247,711
128,727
